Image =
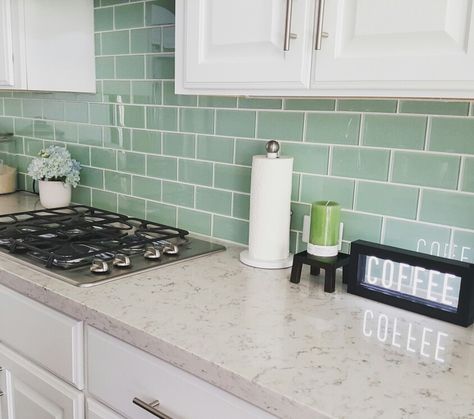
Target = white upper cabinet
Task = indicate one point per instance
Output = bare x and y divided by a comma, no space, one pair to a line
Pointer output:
47,45
256,44
405,48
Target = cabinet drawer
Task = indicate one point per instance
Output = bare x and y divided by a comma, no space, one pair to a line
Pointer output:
31,392
118,372
47,337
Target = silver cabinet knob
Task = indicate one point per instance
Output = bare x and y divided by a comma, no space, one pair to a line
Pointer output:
151,408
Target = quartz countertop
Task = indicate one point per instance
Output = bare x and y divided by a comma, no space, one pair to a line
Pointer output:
290,349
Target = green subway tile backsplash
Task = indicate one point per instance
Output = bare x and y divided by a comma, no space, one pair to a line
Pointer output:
402,169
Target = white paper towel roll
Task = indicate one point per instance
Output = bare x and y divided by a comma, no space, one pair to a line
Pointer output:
270,197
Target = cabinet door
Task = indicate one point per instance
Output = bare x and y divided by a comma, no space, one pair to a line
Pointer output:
30,392
229,44
6,44
95,410
396,48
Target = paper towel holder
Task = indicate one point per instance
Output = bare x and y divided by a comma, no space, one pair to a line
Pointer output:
273,152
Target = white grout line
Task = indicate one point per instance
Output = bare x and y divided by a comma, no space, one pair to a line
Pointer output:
429,123
461,174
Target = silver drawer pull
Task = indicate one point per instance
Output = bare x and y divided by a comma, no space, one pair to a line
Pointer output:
1,393
151,408
319,30
288,34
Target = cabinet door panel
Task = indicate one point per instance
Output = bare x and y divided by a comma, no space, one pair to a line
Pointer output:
238,44
6,53
396,44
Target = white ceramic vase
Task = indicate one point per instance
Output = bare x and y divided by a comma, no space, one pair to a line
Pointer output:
54,194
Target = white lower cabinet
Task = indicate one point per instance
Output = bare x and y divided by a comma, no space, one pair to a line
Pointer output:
96,410
29,392
118,374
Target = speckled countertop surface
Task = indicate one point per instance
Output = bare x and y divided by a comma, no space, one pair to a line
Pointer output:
290,349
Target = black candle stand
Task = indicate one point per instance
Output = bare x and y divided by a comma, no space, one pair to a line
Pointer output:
317,263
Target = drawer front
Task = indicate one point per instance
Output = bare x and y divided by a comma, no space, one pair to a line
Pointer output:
118,373
31,392
47,337
95,410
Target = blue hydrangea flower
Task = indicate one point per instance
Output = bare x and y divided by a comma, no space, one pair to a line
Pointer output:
55,163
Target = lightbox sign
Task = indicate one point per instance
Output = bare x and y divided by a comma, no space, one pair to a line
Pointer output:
437,287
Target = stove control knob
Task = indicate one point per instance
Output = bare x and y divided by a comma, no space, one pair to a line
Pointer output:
151,252
170,249
99,266
122,261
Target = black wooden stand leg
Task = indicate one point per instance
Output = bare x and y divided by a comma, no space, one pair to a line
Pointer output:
345,275
314,270
296,271
330,280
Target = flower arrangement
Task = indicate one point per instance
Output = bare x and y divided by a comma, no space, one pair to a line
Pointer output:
55,164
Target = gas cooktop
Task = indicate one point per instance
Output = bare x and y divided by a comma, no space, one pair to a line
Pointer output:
86,246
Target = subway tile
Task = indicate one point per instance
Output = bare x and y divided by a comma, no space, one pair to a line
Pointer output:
104,200
425,169
219,149
104,19
33,147
414,235
195,221
66,132
90,134
214,200
146,40
196,120
129,16
297,215
361,226
146,141
192,171
12,107
159,12
130,67
180,145
308,158
104,158
116,91
322,188
295,186
217,102
97,46
168,37
246,149
467,184
310,104
32,108
235,178
112,2
367,105
79,152
92,177
449,208
254,103
117,138
360,163
105,67
102,113
133,207
333,128
463,246
280,125
386,199
452,135
81,196
146,92
116,42
162,118
235,123
178,194
118,182
162,167
24,127
395,131
231,229
53,109
435,107
131,162
170,98
76,112
159,67
42,129
241,206
144,187
134,116
161,213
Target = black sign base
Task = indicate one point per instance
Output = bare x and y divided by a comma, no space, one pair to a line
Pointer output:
328,264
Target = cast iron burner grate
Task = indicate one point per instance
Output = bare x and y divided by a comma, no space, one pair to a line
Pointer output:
72,236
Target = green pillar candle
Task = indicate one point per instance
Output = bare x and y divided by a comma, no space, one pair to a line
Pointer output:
325,220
